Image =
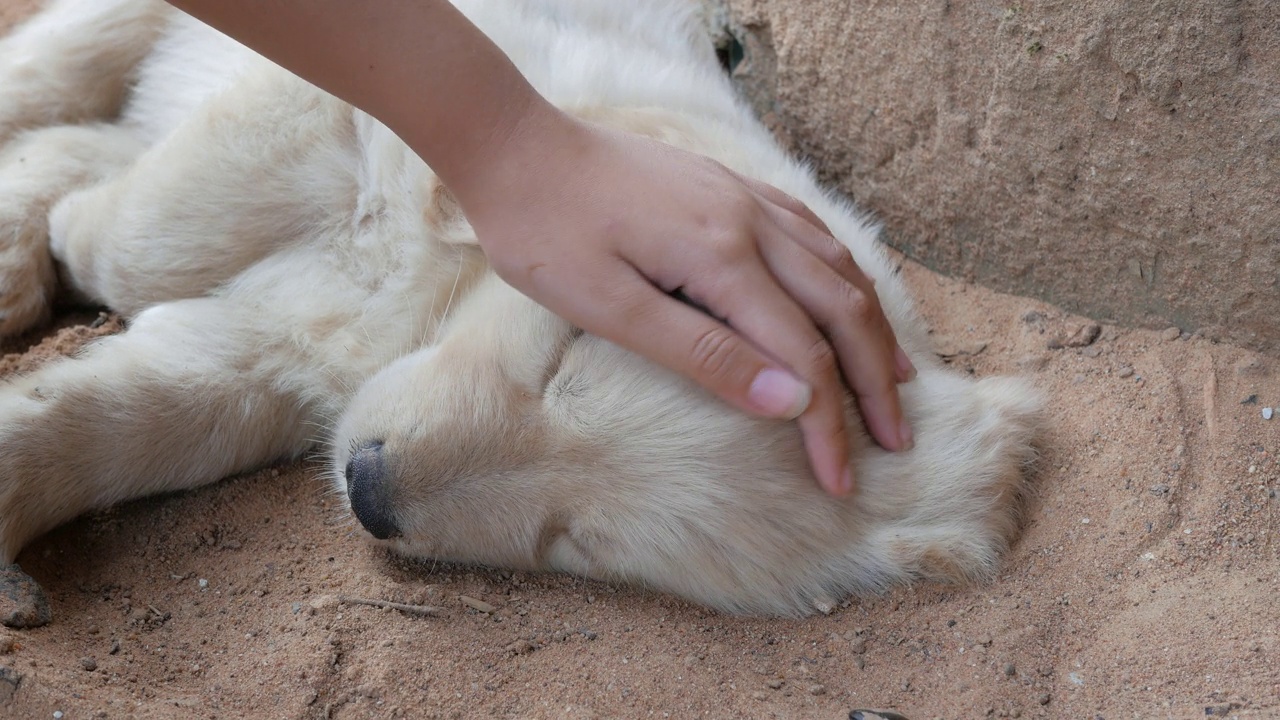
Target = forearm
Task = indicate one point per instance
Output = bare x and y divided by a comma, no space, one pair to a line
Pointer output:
419,66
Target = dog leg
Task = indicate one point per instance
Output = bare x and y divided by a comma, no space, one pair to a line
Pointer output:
183,398
72,62
266,164
39,167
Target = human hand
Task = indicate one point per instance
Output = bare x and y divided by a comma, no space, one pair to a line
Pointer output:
601,227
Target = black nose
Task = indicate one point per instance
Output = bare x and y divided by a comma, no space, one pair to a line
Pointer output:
367,489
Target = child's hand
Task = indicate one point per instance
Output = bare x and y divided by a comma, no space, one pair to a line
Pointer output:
602,226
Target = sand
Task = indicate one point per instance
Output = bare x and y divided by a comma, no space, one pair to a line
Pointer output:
1143,585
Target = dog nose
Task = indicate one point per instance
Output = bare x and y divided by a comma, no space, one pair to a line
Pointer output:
367,489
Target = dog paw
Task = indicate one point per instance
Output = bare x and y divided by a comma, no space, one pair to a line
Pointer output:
22,602
27,278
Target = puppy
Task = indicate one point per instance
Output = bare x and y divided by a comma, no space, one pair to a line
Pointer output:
284,260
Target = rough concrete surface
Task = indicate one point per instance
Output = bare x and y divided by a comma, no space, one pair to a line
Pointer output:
1121,159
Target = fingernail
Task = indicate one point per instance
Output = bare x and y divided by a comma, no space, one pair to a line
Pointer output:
780,394
906,436
906,371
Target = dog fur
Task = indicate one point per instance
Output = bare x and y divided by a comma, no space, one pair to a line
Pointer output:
296,278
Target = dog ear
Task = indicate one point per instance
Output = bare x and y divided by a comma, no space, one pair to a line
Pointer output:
444,218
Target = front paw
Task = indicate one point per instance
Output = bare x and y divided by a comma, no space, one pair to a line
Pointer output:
22,603
27,278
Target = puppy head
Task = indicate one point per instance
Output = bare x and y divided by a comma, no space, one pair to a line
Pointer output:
517,430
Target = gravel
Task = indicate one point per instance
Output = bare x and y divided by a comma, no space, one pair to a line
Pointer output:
22,602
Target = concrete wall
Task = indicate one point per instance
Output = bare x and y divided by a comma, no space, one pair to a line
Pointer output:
1120,158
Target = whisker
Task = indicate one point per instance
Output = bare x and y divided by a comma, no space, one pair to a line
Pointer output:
457,278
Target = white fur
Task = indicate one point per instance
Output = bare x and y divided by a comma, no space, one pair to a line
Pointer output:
287,262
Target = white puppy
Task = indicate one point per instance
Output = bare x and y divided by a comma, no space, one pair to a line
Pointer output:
286,261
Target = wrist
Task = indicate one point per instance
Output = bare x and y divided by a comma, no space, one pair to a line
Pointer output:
517,165
487,157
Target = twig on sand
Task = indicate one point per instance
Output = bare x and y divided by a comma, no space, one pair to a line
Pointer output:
420,610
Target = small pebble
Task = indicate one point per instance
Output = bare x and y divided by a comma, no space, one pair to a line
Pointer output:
1044,698
1171,334
774,684
817,689
57,715
859,663
521,647
1252,366
10,679
22,602
204,584
1032,363
1010,670
1126,372
88,664
477,605
1267,413
1082,337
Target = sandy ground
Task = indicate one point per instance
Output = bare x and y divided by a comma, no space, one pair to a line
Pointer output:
1144,584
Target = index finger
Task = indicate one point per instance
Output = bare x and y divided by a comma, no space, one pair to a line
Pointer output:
820,241
852,318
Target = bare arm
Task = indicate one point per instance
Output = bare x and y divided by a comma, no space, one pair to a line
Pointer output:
395,59
595,225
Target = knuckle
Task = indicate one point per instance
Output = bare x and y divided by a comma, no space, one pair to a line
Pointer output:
841,261
729,246
729,210
833,428
714,354
821,359
839,257
858,304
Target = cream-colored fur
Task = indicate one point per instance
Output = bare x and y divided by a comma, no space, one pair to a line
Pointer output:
295,277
